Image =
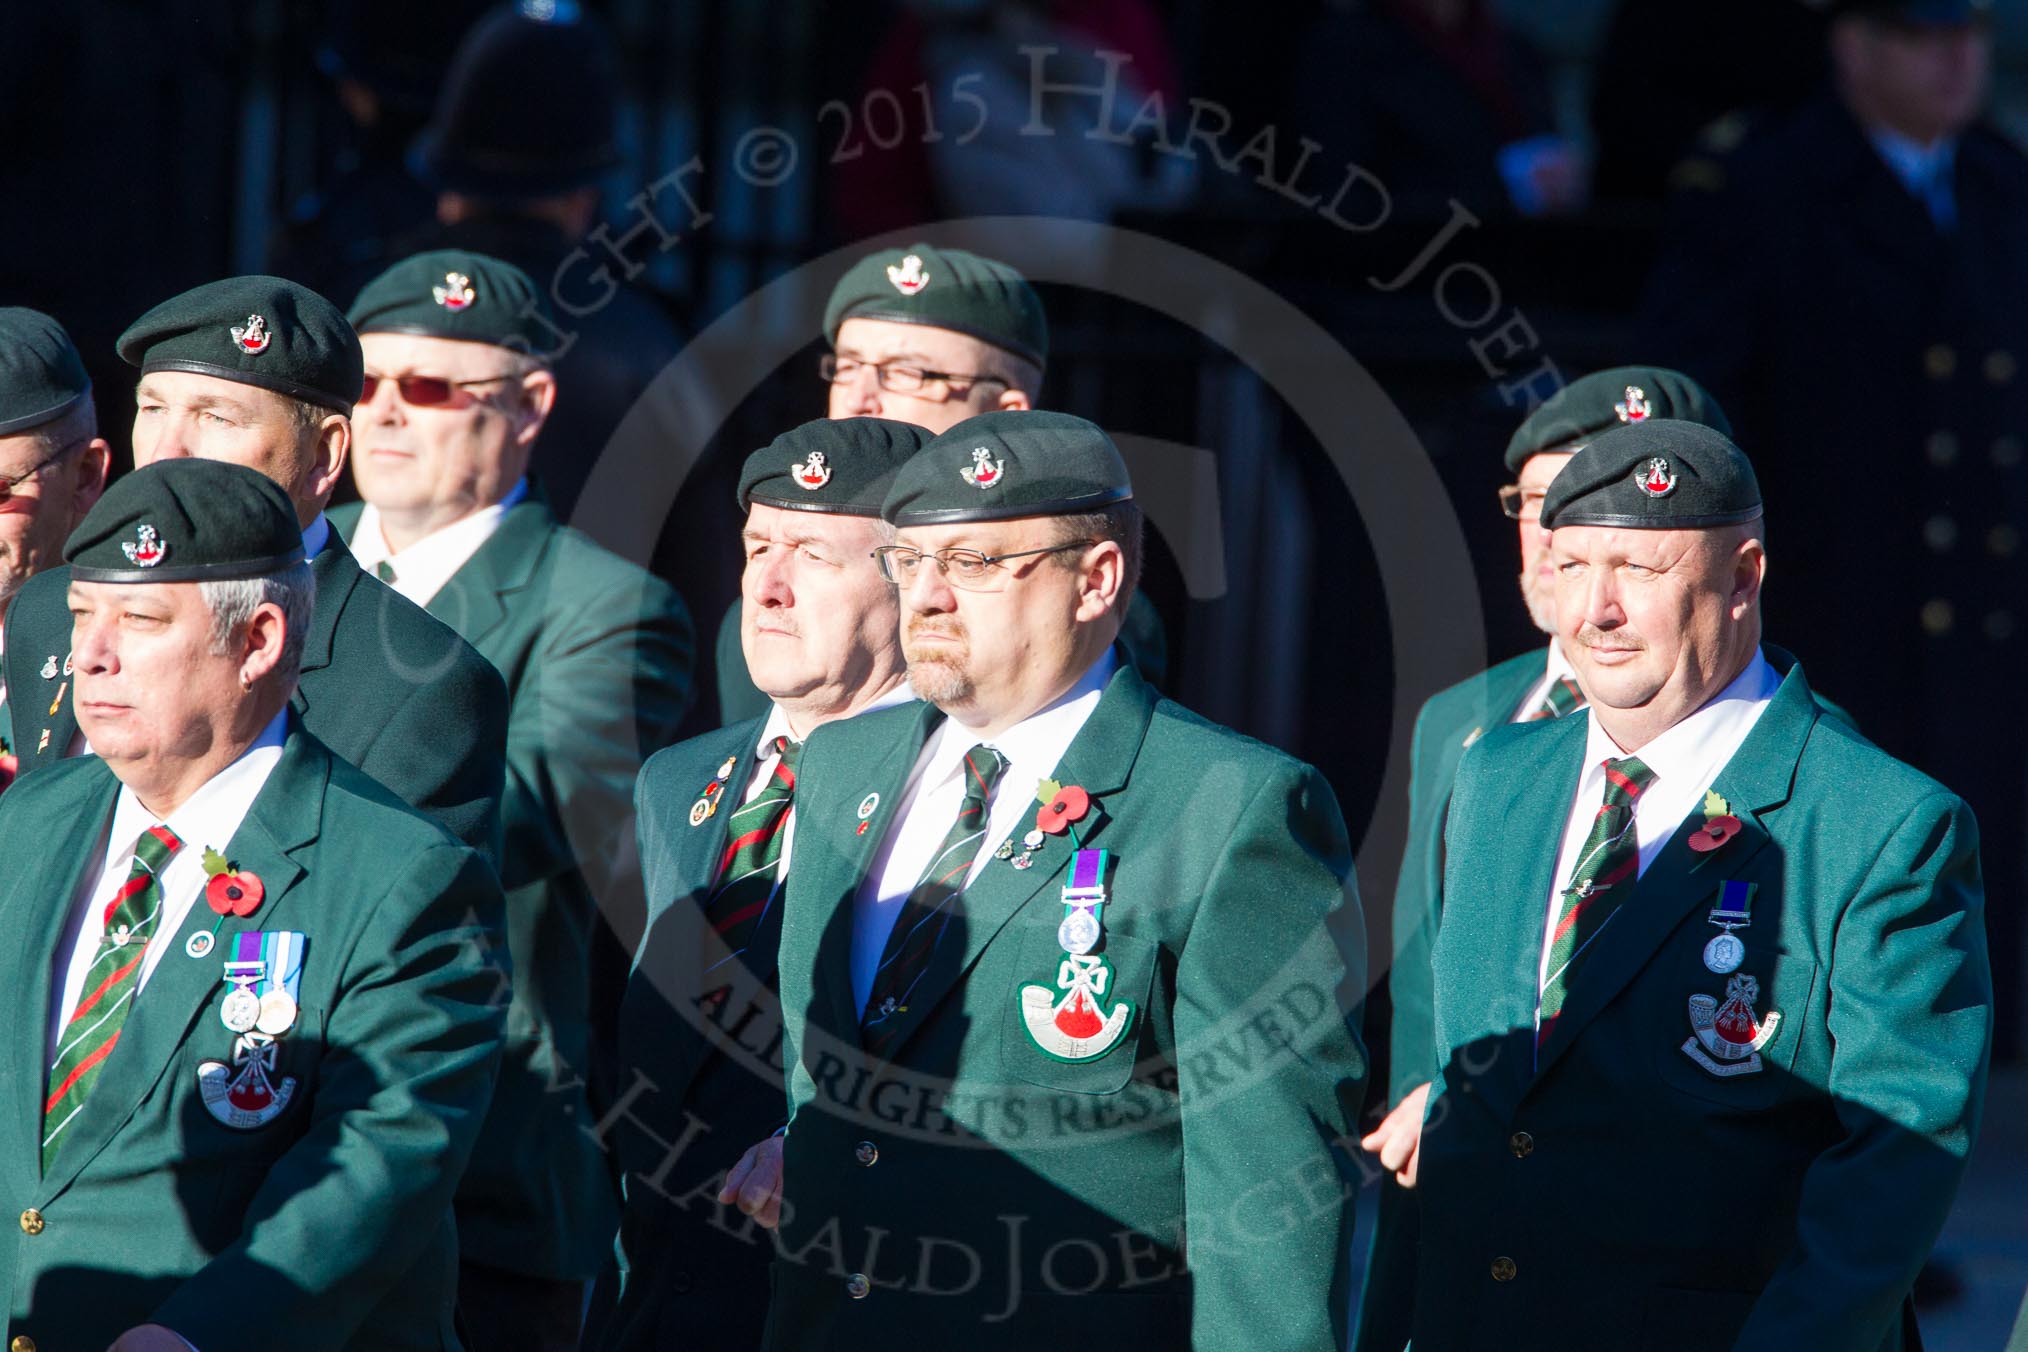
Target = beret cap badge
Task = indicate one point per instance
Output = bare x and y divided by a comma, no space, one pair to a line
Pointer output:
146,549
456,292
1657,480
811,474
984,471
909,278
253,336
1635,408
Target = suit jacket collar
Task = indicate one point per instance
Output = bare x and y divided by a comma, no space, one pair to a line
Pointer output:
475,599
285,818
337,574
1100,760
1755,782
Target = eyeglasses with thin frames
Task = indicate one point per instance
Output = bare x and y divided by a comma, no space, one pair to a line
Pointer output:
10,482
427,391
902,377
1516,501
964,568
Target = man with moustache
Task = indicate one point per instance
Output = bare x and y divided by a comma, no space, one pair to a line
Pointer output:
53,461
1539,684
596,654
1054,954
261,372
1713,1007
932,337
285,1177
700,1069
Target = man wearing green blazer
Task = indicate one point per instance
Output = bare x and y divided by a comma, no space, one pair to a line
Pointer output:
1539,684
700,1045
1062,1010
931,336
262,372
1713,1006
597,656
249,1009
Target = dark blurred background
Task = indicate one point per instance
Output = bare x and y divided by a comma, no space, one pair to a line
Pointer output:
1702,184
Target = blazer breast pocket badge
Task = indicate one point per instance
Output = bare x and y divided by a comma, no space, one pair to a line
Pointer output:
1726,1035
1068,1021
264,970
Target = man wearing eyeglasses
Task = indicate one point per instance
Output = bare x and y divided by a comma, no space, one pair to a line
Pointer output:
263,373
596,653
700,1028
53,461
1055,969
1539,684
932,337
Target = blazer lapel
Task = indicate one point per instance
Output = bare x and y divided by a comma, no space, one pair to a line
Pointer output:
1100,759
1755,781
337,574
285,816
475,599
29,964
820,934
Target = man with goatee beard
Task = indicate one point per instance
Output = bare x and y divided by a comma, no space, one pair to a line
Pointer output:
1062,1028
1539,684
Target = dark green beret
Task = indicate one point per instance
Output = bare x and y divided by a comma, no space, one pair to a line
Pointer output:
455,293
262,331
946,289
41,375
830,465
1660,474
1604,400
186,520
1006,464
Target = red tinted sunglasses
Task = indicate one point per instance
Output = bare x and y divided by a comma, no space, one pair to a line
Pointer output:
427,391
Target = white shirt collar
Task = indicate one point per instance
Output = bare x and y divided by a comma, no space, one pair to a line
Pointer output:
1032,747
316,535
210,815
421,570
777,722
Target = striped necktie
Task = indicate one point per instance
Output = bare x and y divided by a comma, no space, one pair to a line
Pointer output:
384,571
927,912
1604,874
756,832
1561,698
114,976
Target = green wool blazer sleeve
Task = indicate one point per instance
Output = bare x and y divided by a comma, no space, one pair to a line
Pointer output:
1911,1016
1418,906
412,1046
612,681
1266,1210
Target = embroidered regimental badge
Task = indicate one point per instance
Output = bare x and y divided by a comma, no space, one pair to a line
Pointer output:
456,293
1635,407
252,336
984,471
1726,1036
811,474
909,278
146,549
1657,480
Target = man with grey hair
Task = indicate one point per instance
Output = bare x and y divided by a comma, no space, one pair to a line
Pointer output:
215,864
261,372
52,459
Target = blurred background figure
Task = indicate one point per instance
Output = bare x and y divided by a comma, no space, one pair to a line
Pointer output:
1852,286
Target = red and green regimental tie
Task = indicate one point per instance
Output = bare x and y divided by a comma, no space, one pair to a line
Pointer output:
1561,698
1599,883
756,832
927,912
115,974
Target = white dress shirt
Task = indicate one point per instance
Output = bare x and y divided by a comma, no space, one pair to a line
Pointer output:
930,802
1685,760
422,569
209,817
1557,668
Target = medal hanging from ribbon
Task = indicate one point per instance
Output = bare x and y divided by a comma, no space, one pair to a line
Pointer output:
1733,910
1069,1021
264,970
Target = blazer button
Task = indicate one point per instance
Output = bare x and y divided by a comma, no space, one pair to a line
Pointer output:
21,1343
866,1154
856,1286
32,1222
1522,1144
1504,1269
